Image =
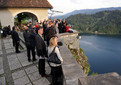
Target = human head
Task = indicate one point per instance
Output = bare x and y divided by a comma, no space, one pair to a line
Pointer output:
40,30
13,28
64,20
25,27
53,41
51,23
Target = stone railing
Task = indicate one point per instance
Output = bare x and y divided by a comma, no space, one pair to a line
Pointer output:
71,69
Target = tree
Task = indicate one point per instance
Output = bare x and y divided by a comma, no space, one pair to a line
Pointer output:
21,17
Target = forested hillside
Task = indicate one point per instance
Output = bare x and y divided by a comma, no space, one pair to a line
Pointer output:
102,22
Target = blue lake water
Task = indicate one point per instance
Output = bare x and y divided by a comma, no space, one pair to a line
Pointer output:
103,52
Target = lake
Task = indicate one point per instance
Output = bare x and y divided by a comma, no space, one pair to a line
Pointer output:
103,52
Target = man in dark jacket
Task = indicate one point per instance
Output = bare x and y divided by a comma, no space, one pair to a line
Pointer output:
41,51
16,39
29,37
13,29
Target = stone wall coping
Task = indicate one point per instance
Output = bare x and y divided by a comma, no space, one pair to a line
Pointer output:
64,34
71,69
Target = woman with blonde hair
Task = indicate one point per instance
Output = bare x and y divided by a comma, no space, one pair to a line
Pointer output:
56,69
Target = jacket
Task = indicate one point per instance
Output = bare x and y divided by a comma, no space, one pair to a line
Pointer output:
15,36
40,46
29,38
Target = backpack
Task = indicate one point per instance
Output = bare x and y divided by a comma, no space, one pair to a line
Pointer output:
53,58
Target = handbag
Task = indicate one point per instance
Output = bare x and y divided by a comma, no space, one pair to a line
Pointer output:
53,58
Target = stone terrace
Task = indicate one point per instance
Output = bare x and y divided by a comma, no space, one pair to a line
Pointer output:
15,68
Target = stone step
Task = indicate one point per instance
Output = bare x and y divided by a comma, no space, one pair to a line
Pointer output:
101,79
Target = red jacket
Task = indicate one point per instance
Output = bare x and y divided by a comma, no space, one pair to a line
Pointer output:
67,28
36,26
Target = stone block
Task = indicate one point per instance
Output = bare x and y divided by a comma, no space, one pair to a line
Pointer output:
21,81
72,71
1,66
101,79
13,62
66,55
18,74
2,81
15,66
31,69
41,81
1,71
25,63
34,76
1,52
9,50
29,84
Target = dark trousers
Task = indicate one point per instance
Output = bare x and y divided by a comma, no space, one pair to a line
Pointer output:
13,42
56,73
32,49
17,46
41,67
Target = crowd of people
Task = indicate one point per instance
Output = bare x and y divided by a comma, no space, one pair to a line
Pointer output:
43,37
5,31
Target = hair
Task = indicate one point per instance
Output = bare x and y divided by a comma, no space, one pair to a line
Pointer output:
39,27
13,28
51,42
51,23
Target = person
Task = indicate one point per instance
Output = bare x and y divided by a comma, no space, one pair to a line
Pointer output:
29,37
63,26
51,32
56,69
8,29
4,32
41,51
13,29
67,28
16,38
56,28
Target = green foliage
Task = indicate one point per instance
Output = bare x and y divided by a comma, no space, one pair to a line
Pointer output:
108,22
93,73
22,16
81,58
24,21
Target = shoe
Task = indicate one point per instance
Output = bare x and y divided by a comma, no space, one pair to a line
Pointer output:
46,75
18,52
34,60
29,60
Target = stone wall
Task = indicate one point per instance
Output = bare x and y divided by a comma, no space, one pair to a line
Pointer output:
71,69
71,40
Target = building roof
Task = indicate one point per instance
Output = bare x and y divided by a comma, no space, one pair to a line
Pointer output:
25,4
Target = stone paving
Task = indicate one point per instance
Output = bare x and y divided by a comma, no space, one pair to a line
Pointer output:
15,68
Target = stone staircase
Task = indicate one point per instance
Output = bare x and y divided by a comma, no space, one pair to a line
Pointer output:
101,79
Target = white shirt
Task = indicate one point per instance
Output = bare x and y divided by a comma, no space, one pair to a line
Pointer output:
50,49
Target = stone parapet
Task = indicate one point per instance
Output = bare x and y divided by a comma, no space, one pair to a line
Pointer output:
71,69
71,40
